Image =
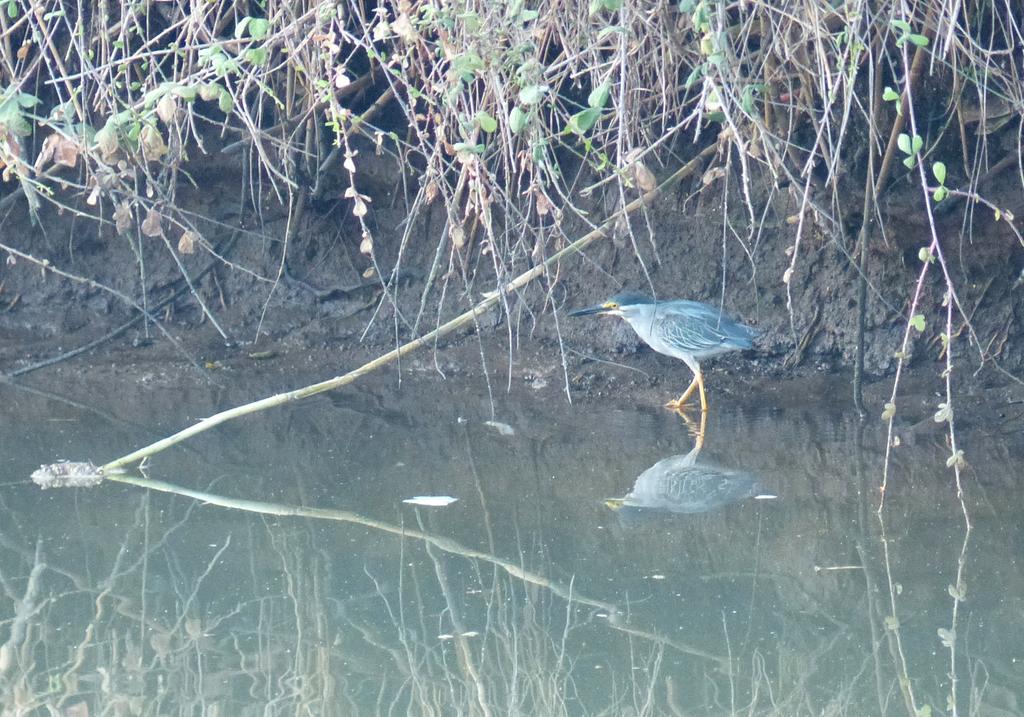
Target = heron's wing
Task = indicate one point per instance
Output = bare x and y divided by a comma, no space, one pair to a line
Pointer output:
700,328
692,489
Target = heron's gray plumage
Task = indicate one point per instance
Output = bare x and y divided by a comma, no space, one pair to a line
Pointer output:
687,330
679,484
684,329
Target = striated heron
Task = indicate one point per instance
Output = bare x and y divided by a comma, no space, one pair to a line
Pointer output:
686,330
679,484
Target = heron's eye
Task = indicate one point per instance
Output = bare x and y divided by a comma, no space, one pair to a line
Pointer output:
611,305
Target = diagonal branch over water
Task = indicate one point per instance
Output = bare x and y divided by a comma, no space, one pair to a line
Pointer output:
426,340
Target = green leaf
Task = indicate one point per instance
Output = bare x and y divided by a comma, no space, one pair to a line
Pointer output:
939,194
134,130
467,65
747,99
528,15
917,321
517,120
919,40
889,411
537,151
470,21
701,14
257,55
241,25
27,101
696,74
890,95
939,171
486,122
916,143
259,28
902,25
532,94
467,147
225,102
956,460
597,6
910,162
903,142
925,254
12,9
945,413
581,122
186,93
599,95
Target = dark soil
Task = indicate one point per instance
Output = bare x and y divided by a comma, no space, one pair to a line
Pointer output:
320,309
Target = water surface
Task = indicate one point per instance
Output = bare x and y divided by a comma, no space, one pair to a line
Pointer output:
534,593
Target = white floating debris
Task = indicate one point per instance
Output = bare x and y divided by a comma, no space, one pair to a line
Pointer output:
502,428
434,501
468,633
766,496
67,473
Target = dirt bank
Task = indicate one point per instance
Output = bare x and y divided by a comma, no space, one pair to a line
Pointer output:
325,300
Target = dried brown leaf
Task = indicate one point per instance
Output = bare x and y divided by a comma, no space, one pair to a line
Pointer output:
187,243
123,217
543,204
153,145
458,236
209,92
60,149
161,644
151,224
403,27
430,192
78,709
194,628
714,173
167,108
66,151
644,177
366,245
106,142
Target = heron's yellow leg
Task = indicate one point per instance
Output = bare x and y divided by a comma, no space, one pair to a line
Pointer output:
681,401
699,437
693,429
696,384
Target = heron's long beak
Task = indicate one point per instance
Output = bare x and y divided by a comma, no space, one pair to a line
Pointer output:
599,309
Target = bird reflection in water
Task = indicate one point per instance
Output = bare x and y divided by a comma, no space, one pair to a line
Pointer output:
682,484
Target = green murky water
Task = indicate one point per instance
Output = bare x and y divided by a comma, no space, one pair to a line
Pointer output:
529,595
